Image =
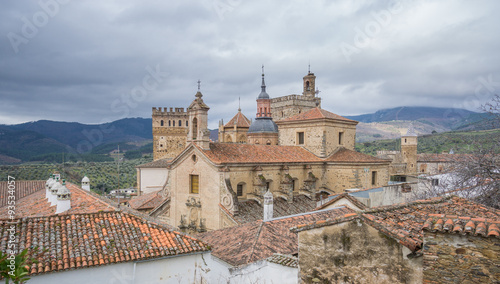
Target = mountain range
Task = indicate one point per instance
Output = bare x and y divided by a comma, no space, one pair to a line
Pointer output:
23,142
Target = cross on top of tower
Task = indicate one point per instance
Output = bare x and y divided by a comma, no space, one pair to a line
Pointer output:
199,84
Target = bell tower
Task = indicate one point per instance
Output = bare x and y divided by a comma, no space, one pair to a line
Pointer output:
309,84
409,150
198,121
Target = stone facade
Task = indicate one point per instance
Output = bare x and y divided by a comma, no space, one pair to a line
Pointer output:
409,154
320,136
354,252
454,258
170,129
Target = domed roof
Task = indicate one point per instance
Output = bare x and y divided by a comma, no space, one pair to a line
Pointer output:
263,125
85,179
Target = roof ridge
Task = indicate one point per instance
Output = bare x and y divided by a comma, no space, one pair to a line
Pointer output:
396,206
261,225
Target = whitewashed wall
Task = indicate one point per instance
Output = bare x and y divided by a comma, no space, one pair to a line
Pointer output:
152,179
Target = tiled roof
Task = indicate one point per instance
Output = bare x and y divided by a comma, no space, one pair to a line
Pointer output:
285,260
22,188
86,240
259,240
239,120
221,153
345,195
161,163
251,210
346,155
462,225
316,113
147,201
37,205
404,222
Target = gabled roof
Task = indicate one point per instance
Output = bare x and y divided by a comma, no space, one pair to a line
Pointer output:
221,153
339,197
317,113
37,205
259,240
239,120
405,222
23,188
147,201
87,240
346,155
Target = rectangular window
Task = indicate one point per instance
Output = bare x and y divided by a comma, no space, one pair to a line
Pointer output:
341,138
435,182
374,178
239,190
300,138
194,184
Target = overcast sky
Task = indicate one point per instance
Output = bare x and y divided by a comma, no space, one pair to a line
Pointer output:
99,61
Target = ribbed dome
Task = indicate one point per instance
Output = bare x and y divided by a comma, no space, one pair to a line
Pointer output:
263,125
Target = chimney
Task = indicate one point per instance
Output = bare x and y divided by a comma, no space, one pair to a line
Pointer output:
268,206
48,184
63,198
53,192
86,183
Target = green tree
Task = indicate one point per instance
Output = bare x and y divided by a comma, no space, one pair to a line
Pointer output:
14,267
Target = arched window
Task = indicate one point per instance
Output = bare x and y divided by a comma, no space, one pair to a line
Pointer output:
173,122
308,88
180,123
187,123
161,122
169,123
195,127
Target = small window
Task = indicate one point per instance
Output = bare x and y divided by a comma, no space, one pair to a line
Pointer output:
435,182
180,123
268,185
169,123
341,138
239,190
374,178
161,123
187,123
195,185
300,138
173,123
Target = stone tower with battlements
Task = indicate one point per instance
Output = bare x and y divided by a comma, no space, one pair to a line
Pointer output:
170,128
288,106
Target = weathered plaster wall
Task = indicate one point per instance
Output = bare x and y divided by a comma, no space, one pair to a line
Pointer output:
354,252
151,179
460,259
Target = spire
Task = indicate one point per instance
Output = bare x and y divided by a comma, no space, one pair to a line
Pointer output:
263,82
239,103
198,94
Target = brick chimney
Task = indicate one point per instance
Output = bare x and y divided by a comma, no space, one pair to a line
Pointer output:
63,198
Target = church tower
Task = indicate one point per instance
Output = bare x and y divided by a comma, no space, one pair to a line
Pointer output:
198,121
309,85
409,150
263,130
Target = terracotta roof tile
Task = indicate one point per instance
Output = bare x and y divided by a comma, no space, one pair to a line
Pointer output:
406,222
259,240
23,188
126,237
161,163
317,113
346,155
251,210
37,205
220,153
475,226
239,120
147,201
285,260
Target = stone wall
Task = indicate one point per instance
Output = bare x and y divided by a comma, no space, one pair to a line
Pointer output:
169,132
288,106
320,137
354,252
454,258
